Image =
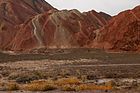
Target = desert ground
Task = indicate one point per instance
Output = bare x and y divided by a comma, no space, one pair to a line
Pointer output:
121,70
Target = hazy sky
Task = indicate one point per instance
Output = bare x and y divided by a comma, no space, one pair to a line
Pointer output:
112,7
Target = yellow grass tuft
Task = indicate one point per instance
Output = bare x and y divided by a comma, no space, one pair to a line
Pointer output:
68,88
40,86
68,81
12,86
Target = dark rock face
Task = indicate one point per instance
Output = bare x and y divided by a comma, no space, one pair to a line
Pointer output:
121,33
106,16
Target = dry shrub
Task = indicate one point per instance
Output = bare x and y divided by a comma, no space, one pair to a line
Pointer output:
1,84
138,88
82,87
12,86
68,81
68,88
110,83
40,86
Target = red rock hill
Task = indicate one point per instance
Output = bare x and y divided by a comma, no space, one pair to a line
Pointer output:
59,29
29,24
121,33
15,12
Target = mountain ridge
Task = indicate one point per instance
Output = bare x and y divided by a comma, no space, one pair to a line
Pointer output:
34,24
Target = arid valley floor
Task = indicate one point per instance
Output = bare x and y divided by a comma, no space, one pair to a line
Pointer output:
109,71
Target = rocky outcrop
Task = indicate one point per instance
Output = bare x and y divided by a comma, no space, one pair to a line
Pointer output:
122,32
59,29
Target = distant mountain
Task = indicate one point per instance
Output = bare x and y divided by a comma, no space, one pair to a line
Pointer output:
121,33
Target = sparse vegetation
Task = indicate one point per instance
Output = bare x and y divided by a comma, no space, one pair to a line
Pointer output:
68,71
65,84
68,87
68,81
40,86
